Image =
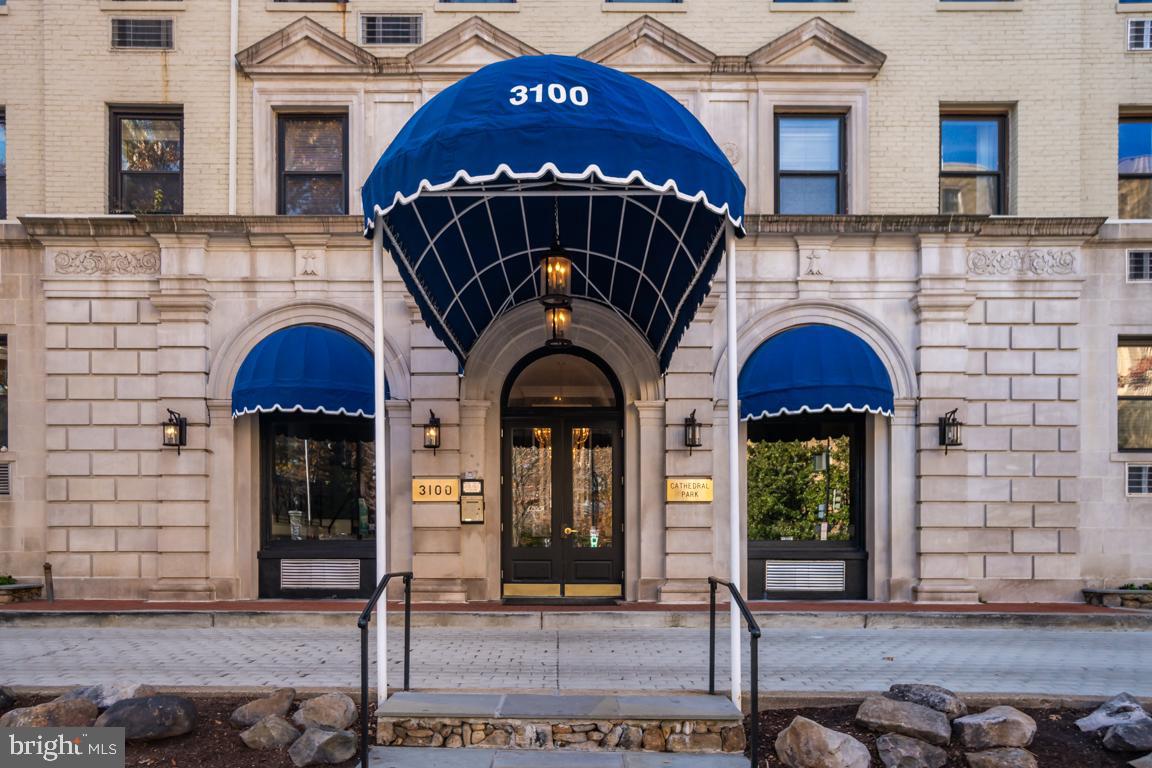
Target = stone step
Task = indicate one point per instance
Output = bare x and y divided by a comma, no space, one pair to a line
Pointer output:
409,757
604,724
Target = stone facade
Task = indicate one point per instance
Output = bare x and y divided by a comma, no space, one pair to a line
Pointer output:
1013,321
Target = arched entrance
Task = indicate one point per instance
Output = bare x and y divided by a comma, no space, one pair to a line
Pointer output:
562,531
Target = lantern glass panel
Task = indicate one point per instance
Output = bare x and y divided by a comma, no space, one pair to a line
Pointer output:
555,278
559,321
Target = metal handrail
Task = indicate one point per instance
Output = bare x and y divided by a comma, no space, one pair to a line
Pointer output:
754,632
363,622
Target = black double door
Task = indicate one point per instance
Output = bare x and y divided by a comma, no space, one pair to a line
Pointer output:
562,524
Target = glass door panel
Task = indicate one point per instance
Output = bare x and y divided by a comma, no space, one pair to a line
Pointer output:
592,481
531,478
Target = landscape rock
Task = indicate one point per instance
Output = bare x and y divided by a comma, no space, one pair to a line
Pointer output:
104,696
74,713
996,727
734,738
253,712
632,737
334,711
1141,762
1121,709
7,698
931,696
272,732
653,740
321,746
1002,758
898,751
1130,737
904,717
150,718
807,744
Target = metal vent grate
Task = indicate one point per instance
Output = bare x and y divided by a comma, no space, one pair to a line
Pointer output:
142,33
1140,479
805,575
390,29
319,574
1139,266
5,479
1140,34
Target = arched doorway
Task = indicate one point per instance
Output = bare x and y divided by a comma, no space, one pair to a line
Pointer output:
562,531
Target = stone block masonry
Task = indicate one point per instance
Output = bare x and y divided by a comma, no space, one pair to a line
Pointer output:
574,736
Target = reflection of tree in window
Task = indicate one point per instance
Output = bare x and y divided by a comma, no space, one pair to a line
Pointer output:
1134,394
150,163
4,391
531,487
785,491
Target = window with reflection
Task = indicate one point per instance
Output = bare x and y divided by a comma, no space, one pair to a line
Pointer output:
1134,393
972,164
810,176
4,391
147,161
313,165
319,477
1135,168
561,381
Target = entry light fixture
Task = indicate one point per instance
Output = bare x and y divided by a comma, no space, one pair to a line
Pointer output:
432,433
555,277
820,462
950,430
175,431
559,321
693,432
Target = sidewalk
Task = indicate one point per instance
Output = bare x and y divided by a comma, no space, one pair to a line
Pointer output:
811,660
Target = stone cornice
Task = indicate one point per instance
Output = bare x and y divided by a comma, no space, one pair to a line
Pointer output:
42,227
975,226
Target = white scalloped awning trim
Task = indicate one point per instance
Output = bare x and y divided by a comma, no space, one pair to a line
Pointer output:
825,409
298,409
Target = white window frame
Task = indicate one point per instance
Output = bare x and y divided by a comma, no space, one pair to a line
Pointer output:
1128,266
1127,488
364,15
1147,35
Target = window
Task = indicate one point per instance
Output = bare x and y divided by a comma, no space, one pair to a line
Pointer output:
390,29
4,391
3,166
319,476
1140,34
1140,479
1134,393
1139,266
142,33
313,164
972,164
1135,168
147,161
810,177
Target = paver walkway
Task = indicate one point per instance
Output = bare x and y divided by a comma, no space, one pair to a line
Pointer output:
623,660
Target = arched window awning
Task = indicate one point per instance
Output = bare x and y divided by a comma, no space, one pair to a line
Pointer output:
477,185
813,369
306,369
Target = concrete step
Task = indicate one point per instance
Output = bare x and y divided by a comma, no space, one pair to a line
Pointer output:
588,724
409,757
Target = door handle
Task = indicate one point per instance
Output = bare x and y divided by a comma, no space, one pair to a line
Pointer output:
569,531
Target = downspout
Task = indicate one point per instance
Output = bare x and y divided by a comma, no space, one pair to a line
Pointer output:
233,49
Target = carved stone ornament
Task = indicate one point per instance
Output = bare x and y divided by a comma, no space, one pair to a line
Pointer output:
1022,261
94,262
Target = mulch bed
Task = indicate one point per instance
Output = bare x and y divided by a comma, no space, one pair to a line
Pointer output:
214,744
1058,743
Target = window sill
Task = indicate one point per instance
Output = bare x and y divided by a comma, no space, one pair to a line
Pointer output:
1134,7
318,7
167,6
977,5
3,10
848,7
1132,457
642,7
477,7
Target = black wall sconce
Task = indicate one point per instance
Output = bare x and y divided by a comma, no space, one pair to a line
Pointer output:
432,433
950,430
693,432
175,431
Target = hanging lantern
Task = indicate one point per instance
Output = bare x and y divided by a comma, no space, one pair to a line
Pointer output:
432,433
175,431
559,321
555,277
950,430
693,437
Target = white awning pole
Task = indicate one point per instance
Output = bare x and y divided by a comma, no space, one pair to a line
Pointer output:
733,453
381,445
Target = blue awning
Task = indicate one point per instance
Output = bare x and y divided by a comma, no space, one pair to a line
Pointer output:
810,369
306,369
474,188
